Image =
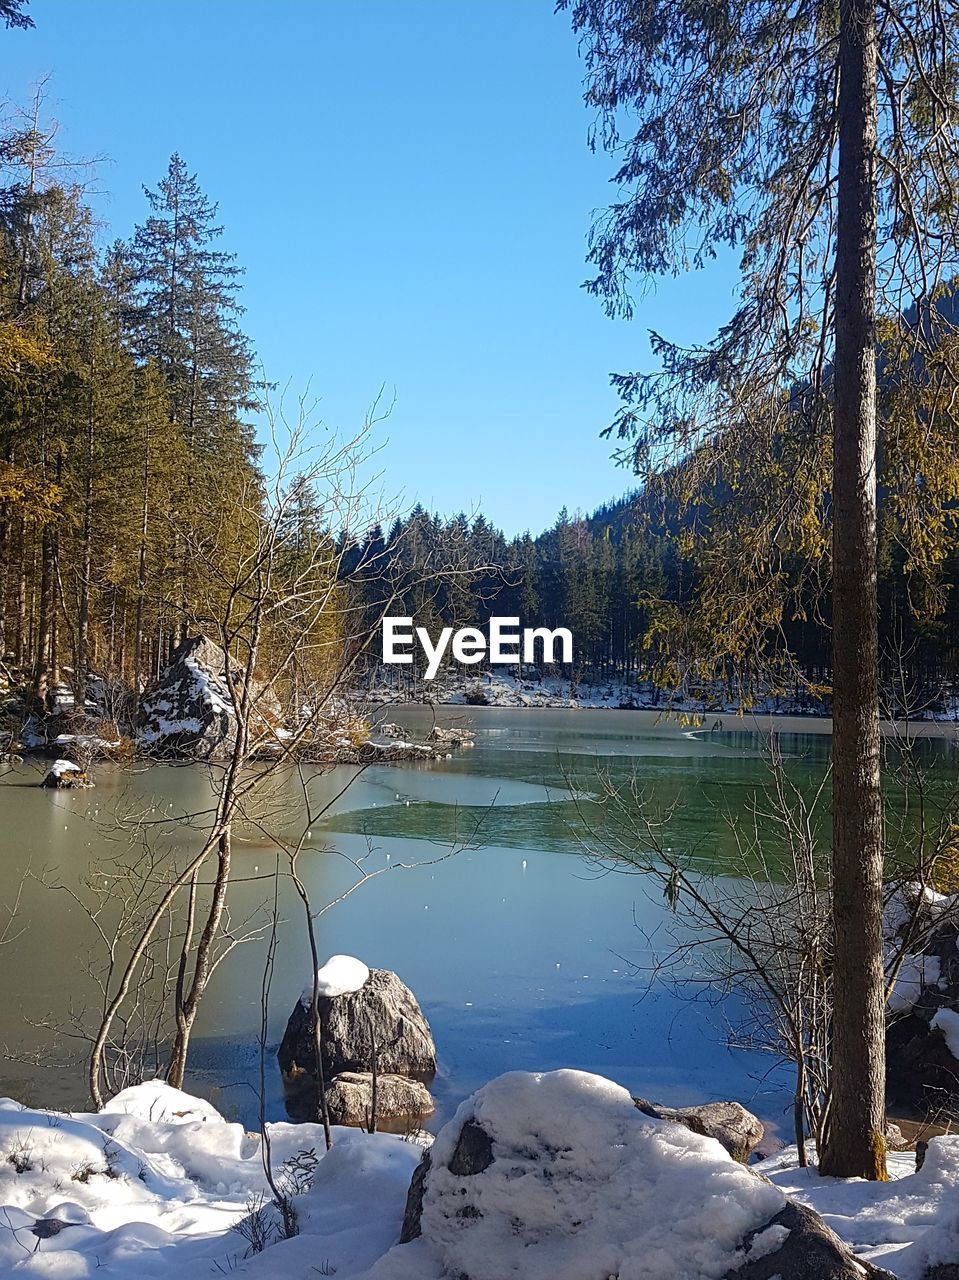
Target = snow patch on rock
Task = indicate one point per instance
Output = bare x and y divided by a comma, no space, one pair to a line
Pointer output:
340,976
915,973
947,1021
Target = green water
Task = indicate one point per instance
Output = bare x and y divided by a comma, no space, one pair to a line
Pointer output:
522,950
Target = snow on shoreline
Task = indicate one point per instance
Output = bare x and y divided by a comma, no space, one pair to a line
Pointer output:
507,688
158,1182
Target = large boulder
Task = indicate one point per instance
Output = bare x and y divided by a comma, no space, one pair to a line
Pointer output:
187,712
737,1129
380,1019
560,1173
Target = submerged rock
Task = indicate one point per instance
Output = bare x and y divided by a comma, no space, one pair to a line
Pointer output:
451,737
402,1104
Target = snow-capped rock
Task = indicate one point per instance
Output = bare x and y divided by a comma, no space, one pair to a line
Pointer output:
559,1176
381,1017
64,773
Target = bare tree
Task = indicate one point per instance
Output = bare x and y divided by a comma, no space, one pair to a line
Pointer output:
759,925
291,633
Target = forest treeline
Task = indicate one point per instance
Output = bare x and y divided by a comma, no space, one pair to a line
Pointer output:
128,455
125,432
610,577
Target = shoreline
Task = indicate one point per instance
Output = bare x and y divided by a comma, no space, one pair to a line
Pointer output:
551,695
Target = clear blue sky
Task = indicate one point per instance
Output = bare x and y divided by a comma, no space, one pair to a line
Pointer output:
408,185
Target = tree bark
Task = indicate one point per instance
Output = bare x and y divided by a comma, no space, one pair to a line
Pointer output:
86,558
854,1145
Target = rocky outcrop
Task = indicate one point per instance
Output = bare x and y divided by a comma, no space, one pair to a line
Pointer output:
737,1129
380,1021
187,713
402,1104
536,1167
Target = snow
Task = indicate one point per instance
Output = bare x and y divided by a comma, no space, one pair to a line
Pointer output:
155,1184
340,976
85,741
583,1186
915,901
765,1242
947,1021
904,1225
60,767
915,973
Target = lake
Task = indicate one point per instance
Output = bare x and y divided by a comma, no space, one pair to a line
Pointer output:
523,951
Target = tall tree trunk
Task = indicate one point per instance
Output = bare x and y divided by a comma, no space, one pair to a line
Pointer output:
20,634
45,616
86,559
142,567
854,1143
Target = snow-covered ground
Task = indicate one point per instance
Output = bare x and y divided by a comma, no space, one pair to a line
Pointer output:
906,1225
159,1184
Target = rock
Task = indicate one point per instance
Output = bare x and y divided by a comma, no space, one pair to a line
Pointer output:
412,1226
187,712
390,730
739,1131
63,774
541,1166
450,737
402,1104
473,1152
896,1140
383,1010
809,1251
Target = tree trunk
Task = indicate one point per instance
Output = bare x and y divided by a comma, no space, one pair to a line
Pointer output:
45,617
20,634
188,1004
854,1143
86,561
142,570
